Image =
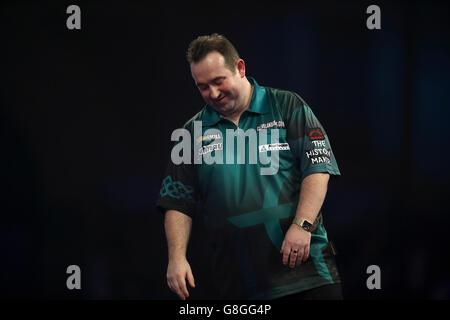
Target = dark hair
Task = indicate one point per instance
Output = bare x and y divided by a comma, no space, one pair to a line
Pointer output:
202,45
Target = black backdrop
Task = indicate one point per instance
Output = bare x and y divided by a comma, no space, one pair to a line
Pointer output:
87,115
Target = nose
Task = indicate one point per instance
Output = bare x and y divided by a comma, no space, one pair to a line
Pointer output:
214,93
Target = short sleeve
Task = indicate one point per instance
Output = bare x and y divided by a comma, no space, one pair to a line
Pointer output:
179,189
309,141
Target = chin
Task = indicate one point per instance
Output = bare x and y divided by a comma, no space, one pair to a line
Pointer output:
222,108
226,110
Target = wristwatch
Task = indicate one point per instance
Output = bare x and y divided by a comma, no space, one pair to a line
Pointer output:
302,223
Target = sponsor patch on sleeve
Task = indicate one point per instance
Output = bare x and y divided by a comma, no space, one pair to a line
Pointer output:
319,155
315,134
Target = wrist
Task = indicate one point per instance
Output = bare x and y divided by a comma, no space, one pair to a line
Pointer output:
303,224
177,255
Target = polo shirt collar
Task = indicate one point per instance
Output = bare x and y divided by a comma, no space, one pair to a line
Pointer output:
258,105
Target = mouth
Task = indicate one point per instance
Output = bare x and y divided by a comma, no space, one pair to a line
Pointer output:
218,101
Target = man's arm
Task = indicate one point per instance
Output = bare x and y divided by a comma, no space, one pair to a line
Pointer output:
178,229
312,195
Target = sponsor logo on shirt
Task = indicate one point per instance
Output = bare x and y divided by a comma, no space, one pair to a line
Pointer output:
273,147
271,124
315,134
210,137
210,148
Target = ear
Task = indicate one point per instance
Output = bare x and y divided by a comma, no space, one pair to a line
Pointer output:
240,64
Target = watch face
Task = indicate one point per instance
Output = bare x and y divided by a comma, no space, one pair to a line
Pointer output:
306,225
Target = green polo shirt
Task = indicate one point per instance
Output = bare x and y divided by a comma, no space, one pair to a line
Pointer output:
246,187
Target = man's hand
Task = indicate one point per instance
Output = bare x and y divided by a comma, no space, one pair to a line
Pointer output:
295,247
177,272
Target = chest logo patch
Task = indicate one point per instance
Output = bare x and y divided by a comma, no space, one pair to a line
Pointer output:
210,137
271,124
274,147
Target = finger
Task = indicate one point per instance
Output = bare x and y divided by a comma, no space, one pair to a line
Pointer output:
282,248
286,253
305,257
180,293
191,279
172,286
175,289
299,260
293,259
183,288
299,257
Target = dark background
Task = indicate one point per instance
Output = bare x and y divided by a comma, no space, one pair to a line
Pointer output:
86,118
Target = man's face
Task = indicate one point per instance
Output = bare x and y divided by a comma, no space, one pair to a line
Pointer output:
220,87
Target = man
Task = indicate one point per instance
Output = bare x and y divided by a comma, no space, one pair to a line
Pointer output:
267,234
